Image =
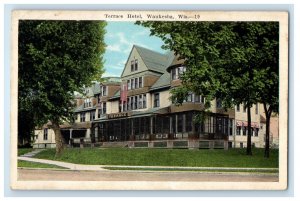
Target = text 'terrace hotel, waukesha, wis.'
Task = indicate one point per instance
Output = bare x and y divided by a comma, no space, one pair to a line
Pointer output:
134,110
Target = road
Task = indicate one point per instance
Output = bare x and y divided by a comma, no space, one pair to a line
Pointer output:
75,175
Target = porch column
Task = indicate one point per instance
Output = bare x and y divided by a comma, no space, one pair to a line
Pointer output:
71,130
96,133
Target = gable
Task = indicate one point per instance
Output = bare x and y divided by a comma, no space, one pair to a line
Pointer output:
134,55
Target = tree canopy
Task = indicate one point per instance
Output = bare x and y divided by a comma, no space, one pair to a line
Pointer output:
234,61
57,58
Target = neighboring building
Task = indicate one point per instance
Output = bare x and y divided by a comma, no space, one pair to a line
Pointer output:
136,109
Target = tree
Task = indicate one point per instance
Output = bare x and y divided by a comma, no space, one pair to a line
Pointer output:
57,58
223,59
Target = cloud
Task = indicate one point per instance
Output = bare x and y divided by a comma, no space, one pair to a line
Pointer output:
114,48
109,74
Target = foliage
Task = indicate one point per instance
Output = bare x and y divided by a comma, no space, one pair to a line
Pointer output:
56,58
234,61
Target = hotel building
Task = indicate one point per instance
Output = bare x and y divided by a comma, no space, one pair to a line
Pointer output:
135,111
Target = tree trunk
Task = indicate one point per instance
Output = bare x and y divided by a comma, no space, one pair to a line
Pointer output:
58,138
249,150
268,113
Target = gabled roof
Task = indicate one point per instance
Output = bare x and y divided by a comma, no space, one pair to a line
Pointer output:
153,60
163,81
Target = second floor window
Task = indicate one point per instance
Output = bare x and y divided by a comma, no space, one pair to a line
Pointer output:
82,117
238,107
156,100
92,115
45,133
244,108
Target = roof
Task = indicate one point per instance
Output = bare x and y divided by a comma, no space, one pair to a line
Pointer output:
175,62
163,81
154,60
82,109
116,95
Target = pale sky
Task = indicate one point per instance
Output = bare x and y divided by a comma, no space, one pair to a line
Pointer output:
119,38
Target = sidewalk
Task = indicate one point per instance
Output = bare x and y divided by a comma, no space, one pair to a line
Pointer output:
73,166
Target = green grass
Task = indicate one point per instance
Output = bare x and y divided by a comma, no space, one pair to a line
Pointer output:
22,151
29,164
165,157
193,170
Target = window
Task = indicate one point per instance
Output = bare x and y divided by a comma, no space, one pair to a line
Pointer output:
244,130
136,82
255,132
135,102
179,123
181,70
140,82
136,65
244,108
241,145
104,108
99,113
144,101
87,103
238,107
189,97
132,83
82,117
140,101
104,90
92,115
132,65
128,84
98,99
173,74
132,103
202,99
230,126
156,100
256,108
197,98
45,133
238,130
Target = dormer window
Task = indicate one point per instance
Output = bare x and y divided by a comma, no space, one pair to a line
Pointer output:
134,65
176,72
87,103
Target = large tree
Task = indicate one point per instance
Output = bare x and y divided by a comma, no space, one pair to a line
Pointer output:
57,58
223,59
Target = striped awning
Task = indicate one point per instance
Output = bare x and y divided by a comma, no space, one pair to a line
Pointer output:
245,124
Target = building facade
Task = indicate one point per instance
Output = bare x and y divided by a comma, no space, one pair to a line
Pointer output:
136,109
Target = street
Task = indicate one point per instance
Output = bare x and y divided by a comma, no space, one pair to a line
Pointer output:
75,175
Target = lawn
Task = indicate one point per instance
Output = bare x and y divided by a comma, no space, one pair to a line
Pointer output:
165,157
22,151
29,164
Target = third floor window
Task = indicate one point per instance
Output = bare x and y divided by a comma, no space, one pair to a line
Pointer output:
134,65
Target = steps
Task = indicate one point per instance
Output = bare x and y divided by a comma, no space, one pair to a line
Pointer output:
114,144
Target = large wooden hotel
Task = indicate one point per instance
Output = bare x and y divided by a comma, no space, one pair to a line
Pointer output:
134,110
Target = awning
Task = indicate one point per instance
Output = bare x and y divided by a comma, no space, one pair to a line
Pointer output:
245,124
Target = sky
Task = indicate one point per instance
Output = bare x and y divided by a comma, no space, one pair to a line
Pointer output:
119,38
